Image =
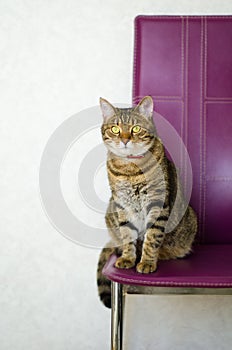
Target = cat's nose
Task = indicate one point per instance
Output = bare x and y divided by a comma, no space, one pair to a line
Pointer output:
125,141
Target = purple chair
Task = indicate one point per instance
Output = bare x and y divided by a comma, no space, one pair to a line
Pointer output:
185,64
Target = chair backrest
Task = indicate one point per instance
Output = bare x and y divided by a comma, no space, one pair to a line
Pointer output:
185,64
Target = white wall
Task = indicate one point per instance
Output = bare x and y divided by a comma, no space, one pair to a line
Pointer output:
57,58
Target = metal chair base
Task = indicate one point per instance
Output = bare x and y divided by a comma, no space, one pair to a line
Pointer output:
119,292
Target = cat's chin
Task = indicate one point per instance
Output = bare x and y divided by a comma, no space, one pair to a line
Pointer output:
129,152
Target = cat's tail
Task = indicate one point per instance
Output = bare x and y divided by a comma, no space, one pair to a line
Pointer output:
104,285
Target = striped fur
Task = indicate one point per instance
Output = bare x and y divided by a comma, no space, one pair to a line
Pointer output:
144,184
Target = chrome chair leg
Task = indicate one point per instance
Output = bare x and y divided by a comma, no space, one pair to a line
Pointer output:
117,316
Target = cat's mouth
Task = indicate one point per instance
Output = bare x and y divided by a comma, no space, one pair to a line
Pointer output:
133,152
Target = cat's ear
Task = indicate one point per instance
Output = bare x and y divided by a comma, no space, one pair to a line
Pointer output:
145,107
107,109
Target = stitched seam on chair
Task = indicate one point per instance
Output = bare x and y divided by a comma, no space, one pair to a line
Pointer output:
182,91
165,17
218,101
182,56
135,59
204,129
204,174
218,98
201,106
186,101
157,100
174,98
206,56
173,283
164,283
218,178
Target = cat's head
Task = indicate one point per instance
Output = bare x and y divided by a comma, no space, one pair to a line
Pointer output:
128,132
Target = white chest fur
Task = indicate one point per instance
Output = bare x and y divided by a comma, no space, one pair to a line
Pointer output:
133,199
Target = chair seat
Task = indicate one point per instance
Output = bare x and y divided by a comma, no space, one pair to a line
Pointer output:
209,266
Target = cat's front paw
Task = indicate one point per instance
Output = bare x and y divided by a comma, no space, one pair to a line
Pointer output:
146,267
125,263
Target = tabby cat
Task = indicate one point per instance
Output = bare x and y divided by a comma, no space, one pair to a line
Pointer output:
144,186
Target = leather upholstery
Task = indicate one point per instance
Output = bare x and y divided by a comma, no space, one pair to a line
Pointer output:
208,267
185,64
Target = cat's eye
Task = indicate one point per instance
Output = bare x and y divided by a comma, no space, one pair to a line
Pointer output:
136,128
115,129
